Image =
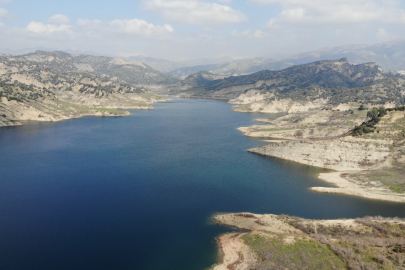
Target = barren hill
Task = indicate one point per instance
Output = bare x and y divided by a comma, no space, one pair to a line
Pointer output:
132,72
53,86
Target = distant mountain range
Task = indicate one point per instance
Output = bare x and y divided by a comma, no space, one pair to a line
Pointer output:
330,82
31,50
167,66
237,67
389,56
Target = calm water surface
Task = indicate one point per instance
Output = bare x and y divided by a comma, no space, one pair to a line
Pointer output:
138,192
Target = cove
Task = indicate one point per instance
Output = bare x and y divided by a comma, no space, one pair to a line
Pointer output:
137,192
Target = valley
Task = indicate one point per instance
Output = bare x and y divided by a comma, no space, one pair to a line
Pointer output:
331,114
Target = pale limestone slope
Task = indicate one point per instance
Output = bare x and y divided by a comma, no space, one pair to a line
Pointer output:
12,112
339,154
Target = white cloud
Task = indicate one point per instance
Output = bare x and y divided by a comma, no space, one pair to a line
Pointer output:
195,12
5,1
140,27
319,13
247,34
381,33
4,13
100,30
86,23
59,19
47,29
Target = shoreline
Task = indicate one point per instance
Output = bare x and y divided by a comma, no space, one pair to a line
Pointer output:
283,241
92,112
368,190
342,162
354,188
234,254
101,114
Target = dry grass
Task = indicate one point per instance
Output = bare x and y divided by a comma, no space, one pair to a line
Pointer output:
392,178
368,243
304,253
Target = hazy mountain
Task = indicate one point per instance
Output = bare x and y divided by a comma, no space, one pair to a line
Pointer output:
327,74
237,67
23,51
206,61
168,66
389,56
158,64
132,72
31,50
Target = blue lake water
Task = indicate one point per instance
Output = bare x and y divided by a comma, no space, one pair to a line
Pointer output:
137,192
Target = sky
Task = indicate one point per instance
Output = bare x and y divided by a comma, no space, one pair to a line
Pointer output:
179,30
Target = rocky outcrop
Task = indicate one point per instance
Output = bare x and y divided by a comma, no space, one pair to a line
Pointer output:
340,154
279,106
320,124
251,96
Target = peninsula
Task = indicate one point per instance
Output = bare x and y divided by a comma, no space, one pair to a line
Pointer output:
285,242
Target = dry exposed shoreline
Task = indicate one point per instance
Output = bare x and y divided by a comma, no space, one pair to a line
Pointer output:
355,188
15,113
284,242
322,139
346,185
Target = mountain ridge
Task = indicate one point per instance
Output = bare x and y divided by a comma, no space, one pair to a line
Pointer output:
132,72
388,55
55,86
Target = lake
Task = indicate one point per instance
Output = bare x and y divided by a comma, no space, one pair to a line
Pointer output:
138,192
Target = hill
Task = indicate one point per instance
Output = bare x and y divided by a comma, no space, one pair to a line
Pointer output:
326,74
53,86
388,55
132,72
168,66
237,67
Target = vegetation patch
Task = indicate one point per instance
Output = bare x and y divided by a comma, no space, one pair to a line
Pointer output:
370,126
244,107
301,253
150,95
391,178
84,109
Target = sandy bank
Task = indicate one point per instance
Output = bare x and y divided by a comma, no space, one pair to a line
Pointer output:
235,253
356,188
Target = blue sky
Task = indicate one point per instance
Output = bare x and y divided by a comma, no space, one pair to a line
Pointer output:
183,30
